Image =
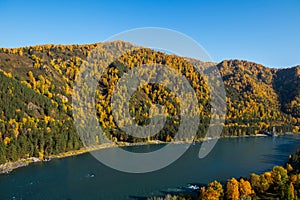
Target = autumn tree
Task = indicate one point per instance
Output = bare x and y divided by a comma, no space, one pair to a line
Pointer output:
213,191
245,188
232,189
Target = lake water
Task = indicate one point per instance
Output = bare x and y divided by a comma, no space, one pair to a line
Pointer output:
83,177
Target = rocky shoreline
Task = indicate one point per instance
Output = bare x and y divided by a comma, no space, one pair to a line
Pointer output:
10,166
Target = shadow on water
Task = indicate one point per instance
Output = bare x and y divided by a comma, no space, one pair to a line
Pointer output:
273,159
165,193
279,157
138,197
286,147
192,189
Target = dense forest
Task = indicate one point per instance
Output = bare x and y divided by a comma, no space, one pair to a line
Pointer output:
36,118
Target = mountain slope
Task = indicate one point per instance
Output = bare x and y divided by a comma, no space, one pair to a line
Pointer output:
287,85
36,89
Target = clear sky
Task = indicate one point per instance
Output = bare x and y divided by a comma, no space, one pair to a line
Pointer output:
264,31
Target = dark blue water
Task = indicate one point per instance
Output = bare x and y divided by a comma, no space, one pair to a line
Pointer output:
83,177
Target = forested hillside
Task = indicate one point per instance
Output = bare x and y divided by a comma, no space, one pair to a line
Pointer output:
36,94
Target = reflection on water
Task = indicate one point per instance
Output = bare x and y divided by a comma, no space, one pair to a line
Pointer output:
83,177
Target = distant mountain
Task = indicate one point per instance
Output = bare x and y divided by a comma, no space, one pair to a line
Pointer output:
287,85
276,87
36,94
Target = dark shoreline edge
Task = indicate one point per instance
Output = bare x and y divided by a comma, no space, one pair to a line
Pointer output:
10,166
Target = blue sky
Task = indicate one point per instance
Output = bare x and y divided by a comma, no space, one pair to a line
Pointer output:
264,31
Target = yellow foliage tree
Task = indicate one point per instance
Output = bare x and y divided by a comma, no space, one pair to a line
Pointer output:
232,189
245,188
